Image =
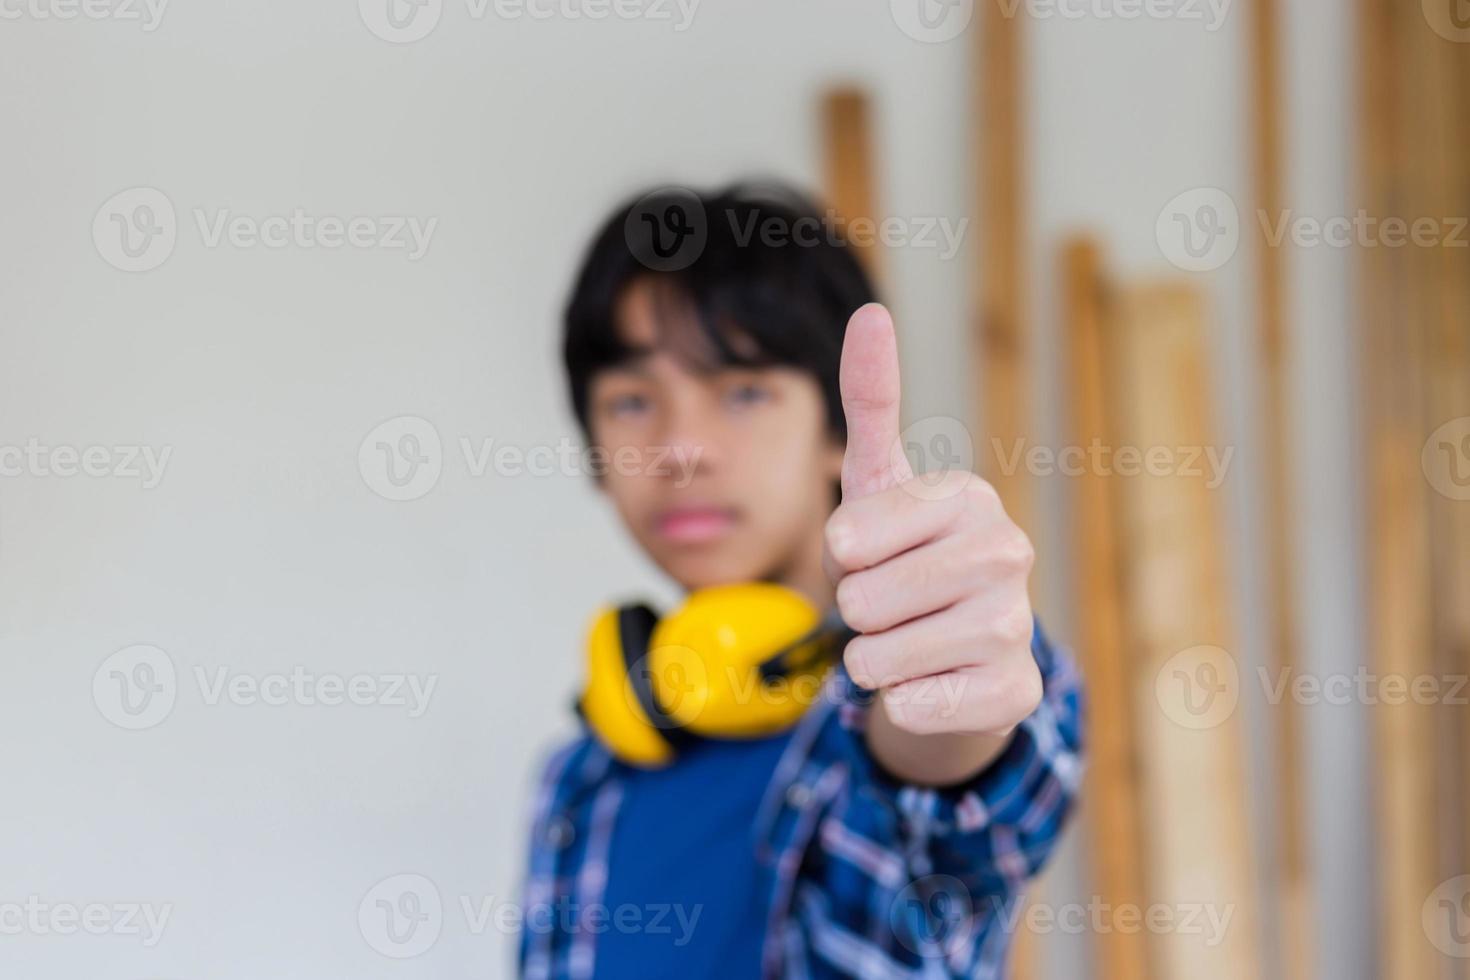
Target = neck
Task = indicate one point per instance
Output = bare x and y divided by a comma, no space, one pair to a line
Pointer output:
804,573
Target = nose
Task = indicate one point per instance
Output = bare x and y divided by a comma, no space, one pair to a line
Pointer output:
691,439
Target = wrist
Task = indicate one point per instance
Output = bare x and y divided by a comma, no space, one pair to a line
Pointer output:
931,760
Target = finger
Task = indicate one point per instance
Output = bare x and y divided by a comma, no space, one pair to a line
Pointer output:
920,581
916,649
869,381
867,530
966,634
972,699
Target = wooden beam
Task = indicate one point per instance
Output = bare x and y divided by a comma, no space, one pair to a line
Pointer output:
1000,329
1110,796
1296,894
1399,581
1190,738
849,164
1452,348
1442,190
1002,337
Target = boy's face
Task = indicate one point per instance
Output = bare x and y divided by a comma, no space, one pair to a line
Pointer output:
722,473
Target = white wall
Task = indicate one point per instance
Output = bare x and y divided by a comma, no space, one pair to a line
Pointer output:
262,370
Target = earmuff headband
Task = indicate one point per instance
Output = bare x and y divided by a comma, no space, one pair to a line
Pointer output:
825,641
635,632
627,706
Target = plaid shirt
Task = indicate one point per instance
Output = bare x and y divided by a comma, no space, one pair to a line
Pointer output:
864,877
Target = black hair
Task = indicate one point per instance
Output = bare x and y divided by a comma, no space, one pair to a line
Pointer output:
755,261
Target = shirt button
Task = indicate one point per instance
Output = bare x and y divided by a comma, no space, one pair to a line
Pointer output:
560,833
798,795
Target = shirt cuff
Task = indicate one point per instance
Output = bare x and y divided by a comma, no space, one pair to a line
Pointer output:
1027,788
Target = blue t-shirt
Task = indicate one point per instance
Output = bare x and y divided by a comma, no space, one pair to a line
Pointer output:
681,869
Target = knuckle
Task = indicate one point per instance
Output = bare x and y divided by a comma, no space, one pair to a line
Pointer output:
1026,550
1014,627
969,508
841,538
853,603
952,485
981,492
857,659
1014,551
1024,693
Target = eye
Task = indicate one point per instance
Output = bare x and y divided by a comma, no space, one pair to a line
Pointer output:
625,404
746,393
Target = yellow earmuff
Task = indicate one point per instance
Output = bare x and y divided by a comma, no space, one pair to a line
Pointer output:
733,661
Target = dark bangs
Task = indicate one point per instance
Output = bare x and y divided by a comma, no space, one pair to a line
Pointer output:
769,284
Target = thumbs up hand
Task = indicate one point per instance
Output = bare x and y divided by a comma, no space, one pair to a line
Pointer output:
933,577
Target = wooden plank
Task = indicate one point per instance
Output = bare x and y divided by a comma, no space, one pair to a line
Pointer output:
1452,355
1296,925
1190,740
1423,110
1442,189
849,165
1460,534
1398,542
1002,340
1110,797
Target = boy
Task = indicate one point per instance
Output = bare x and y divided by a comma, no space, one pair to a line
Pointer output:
889,831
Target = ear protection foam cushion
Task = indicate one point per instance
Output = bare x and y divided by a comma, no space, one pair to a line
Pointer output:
733,661
609,703
706,658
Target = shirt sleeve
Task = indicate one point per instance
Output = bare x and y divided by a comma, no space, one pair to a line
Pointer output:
962,855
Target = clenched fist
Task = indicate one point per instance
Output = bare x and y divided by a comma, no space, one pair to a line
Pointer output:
933,576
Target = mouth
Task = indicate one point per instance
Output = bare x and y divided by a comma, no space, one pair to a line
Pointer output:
694,524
